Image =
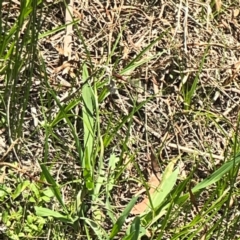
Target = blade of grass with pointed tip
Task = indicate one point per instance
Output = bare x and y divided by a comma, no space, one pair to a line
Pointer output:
139,63
108,138
45,212
218,174
162,192
62,110
189,95
138,57
213,178
62,114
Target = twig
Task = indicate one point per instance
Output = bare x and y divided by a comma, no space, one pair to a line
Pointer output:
10,149
69,31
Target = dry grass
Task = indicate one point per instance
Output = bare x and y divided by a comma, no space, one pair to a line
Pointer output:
192,90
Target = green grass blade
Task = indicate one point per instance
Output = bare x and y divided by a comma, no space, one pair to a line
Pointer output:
88,125
54,187
62,111
213,178
136,64
135,230
99,232
45,212
218,174
164,189
118,225
57,29
20,188
190,93
138,57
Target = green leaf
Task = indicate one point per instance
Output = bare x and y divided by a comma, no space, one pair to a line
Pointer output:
63,113
164,189
4,216
134,63
88,125
135,229
94,225
118,225
45,212
54,187
218,174
57,29
20,188
113,160
35,190
213,178
167,184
